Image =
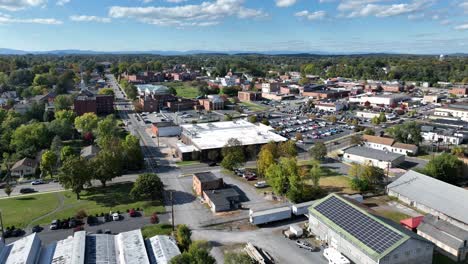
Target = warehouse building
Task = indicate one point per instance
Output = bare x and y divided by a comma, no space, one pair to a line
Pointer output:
429,195
214,136
373,157
124,248
364,237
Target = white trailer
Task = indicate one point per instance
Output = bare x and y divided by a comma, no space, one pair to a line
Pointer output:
302,208
268,216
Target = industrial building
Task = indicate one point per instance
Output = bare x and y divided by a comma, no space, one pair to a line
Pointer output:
432,196
373,157
364,237
124,248
214,136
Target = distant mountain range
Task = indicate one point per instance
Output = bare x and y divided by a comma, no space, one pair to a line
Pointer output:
195,52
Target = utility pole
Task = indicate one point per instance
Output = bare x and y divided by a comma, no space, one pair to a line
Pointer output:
1,223
172,211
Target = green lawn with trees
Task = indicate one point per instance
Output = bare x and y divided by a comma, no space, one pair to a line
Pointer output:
184,89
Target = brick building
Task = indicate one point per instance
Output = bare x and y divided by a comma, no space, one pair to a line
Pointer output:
99,104
203,181
249,96
459,91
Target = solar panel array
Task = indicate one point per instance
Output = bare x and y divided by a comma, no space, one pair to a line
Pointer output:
370,232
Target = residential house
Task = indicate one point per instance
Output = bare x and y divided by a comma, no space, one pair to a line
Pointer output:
89,152
389,144
24,167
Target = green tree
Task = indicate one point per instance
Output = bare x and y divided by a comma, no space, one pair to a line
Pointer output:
147,186
382,118
458,151
74,174
63,102
107,164
8,189
253,119
409,133
28,139
369,131
62,128
356,140
272,147
67,115
106,91
48,162
318,151
445,167
287,149
132,154
233,154
237,258
277,180
86,123
315,173
213,155
107,131
183,237
66,152
375,120
198,253
264,161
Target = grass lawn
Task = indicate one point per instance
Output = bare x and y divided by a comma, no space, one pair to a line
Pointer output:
158,229
19,211
253,106
393,215
97,201
187,163
183,89
336,184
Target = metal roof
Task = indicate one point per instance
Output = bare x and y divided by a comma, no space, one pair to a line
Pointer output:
100,249
438,195
161,249
369,233
374,154
443,231
130,248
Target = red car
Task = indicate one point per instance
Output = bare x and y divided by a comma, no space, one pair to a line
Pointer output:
132,213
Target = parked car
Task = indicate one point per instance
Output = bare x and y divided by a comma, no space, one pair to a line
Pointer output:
27,190
54,225
73,223
17,232
212,164
37,182
36,229
107,231
132,213
115,216
261,184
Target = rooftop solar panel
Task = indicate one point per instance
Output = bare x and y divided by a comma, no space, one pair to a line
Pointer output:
370,232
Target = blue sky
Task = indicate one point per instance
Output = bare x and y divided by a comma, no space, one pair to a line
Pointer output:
409,26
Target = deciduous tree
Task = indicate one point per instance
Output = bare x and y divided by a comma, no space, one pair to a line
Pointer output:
147,186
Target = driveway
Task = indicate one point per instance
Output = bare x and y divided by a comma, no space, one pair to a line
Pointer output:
270,239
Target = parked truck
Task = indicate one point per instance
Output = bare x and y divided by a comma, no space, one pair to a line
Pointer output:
271,215
302,208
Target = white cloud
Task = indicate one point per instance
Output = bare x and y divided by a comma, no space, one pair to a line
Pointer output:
170,1
462,27
285,3
364,8
62,2
204,14
90,19
7,19
14,5
317,15
464,6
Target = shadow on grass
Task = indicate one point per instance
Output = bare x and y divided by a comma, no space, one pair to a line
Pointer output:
26,199
114,195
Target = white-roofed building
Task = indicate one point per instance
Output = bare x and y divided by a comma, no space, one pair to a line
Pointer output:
161,249
23,251
214,136
130,248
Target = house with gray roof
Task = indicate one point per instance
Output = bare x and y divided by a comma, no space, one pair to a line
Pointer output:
89,152
432,196
450,240
363,236
374,157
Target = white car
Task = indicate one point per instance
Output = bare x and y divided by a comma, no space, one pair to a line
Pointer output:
115,217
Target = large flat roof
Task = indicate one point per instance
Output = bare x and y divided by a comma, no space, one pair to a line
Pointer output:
216,135
438,195
130,248
162,249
